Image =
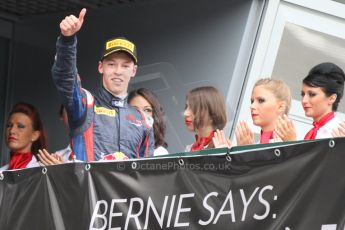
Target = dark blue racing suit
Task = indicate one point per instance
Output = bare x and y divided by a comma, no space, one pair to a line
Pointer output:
100,124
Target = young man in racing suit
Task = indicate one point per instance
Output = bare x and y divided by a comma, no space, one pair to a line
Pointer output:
103,125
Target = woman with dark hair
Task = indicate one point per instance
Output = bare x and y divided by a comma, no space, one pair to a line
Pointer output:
24,136
147,102
205,115
321,92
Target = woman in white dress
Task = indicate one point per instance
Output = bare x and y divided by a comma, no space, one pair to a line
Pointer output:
322,90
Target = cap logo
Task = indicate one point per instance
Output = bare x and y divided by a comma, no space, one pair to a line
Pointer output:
120,43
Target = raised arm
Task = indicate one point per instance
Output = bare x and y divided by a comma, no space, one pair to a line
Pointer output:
64,70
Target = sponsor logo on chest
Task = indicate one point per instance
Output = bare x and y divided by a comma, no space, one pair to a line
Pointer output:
105,111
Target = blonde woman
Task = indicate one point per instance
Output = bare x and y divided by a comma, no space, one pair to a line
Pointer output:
270,100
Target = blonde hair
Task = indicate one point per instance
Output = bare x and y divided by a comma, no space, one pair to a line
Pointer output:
279,88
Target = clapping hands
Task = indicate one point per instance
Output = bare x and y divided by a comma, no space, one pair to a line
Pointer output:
220,141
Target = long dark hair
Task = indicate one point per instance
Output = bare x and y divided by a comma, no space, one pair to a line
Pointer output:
37,125
330,78
159,127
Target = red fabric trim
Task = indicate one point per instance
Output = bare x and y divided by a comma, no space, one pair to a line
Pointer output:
265,137
88,138
202,142
20,160
317,125
147,146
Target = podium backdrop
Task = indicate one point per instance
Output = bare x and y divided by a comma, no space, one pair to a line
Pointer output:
297,185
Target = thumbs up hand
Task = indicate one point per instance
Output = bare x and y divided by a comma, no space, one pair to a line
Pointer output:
71,24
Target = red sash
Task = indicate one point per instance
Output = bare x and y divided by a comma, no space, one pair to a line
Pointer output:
202,142
317,125
20,160
265,137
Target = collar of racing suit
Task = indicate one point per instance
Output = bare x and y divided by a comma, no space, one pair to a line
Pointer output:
111,100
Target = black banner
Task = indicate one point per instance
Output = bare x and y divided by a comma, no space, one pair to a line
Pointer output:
279,186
